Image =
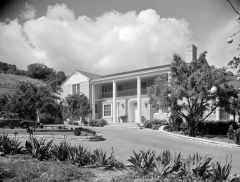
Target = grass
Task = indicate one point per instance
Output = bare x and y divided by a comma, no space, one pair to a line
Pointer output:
23,168
8,82
40,131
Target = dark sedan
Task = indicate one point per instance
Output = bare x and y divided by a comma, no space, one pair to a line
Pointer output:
18,123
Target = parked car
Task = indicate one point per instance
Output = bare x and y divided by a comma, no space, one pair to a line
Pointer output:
19,123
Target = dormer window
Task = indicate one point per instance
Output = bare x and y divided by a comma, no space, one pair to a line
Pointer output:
76,89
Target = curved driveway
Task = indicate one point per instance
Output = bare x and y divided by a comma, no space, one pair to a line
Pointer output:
125,140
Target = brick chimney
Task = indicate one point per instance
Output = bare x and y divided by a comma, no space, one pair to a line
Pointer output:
190,53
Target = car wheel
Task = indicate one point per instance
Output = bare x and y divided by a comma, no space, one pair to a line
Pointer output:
24,125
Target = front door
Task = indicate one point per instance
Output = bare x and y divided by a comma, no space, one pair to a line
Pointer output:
135,112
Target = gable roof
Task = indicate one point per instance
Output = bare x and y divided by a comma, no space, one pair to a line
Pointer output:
89,75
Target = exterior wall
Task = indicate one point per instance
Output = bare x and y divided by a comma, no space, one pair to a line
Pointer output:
67,89
85,88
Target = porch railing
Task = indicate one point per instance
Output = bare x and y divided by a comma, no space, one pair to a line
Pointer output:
122,93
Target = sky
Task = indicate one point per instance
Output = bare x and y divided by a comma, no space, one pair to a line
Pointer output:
111,36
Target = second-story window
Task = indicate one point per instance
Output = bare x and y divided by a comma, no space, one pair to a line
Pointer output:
106,90
76,89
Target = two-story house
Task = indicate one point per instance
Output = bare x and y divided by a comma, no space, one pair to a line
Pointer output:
123,94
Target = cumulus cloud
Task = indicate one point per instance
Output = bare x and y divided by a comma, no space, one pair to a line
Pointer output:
29,12
110,43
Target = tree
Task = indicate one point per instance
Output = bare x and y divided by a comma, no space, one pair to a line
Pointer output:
39,71
77,107
187,91
30,100
4,100
234,64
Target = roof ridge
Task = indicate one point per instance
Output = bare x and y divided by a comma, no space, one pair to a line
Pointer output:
87,72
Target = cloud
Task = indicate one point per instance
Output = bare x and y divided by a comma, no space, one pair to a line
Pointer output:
110,43
29,12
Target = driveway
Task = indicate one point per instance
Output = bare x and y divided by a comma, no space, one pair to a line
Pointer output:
125,140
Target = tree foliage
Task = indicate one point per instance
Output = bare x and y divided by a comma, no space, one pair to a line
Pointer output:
30,97
39,71
187,91
77,107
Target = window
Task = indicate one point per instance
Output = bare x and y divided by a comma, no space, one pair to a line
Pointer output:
120,87
106,90
96,108
155,110
143,84
164,110
107,110
76,89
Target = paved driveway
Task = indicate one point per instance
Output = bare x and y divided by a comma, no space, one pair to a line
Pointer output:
125,140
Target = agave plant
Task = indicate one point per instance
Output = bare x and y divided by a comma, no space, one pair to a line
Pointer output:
166,164
143,162
11,146
221,173
61,152
79,155
198,165
100,159
38,149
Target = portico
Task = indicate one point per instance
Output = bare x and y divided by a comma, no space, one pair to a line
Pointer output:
124,94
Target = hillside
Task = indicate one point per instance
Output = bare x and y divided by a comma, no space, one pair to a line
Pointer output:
8,82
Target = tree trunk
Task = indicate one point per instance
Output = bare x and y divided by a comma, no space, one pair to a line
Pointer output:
38,116
192,131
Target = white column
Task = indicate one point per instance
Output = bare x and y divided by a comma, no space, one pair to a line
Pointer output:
114,109
139,99
93,102
217,113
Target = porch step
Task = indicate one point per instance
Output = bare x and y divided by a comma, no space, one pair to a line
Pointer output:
127,125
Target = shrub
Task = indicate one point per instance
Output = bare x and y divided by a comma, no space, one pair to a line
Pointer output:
156,126
98,123
101,123
124,118
156,123
230,132
147,124
214,127
86,130
77,132
176,124
237,136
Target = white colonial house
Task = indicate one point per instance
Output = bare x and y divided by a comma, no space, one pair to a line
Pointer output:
125,94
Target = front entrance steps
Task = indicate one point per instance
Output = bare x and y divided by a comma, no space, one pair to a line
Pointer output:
127,125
